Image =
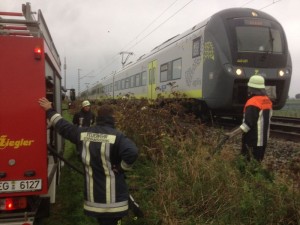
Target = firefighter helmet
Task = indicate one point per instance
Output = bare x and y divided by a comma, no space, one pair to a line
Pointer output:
256,81
85,103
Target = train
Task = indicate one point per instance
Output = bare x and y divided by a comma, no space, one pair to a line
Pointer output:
210,63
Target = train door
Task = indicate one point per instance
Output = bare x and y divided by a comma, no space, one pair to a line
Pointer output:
152,72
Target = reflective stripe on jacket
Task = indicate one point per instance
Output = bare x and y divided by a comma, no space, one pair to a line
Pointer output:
256,122
102,148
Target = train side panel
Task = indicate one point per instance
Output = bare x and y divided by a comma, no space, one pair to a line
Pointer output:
181,63
184,55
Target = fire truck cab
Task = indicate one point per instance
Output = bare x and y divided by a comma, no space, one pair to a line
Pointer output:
30,69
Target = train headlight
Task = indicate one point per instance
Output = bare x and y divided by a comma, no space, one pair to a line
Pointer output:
283,72
234,70
239,72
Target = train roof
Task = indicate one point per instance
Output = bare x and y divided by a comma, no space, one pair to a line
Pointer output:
231,13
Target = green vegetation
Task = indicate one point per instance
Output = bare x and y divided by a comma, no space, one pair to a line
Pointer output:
178,181
291,109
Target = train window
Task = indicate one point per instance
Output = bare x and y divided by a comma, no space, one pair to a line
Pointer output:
132,78
127,82
116,85
170,70
144,78
176,69
138,80
164,72
122,84
196,51
258,39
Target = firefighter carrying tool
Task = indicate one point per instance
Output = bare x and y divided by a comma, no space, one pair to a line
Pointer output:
30,67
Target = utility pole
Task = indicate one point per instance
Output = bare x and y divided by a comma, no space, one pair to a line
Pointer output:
87,89
79,82
81,77
113,74
65,74
125,60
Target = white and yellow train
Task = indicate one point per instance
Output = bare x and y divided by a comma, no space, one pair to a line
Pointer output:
211,63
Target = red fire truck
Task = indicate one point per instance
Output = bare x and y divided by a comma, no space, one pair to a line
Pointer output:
30,68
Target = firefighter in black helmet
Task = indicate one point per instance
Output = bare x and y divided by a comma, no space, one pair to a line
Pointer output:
106,155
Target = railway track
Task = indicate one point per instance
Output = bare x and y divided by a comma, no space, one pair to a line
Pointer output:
287,128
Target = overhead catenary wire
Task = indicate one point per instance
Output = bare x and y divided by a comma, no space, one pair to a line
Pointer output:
247,3
250,1
150,24
274,2
129,48
160,24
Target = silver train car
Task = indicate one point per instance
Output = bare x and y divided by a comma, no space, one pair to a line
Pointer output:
211,63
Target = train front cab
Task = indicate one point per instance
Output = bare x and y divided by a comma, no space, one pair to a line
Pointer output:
244,42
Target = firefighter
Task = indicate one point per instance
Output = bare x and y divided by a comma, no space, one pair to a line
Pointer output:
106,154
256,120
84,118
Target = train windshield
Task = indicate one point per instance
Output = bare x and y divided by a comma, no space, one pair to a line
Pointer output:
258,39
257,42
256,35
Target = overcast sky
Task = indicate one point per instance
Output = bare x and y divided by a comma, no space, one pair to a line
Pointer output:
90,34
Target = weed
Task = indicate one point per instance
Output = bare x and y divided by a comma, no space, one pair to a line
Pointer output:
177,181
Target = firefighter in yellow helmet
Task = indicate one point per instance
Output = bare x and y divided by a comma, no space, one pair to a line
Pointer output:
256,120
84,118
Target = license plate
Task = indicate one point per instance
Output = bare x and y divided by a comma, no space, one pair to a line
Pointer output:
20,185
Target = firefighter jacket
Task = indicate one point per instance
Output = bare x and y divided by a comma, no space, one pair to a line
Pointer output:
256,121
84,118
105,153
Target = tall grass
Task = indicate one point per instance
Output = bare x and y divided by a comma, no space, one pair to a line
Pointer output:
192,186
178,181
291,109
